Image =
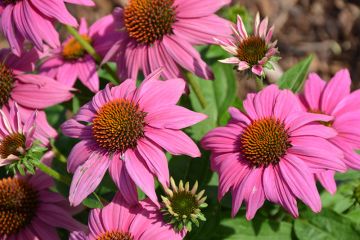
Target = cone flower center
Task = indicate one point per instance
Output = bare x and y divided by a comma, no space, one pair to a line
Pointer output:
264,142
6,83
184,203
118,125
252,50
18,204
113,235
12,144
149,20
73,50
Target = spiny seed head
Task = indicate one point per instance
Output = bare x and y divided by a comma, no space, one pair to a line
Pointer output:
182,205
118,125
264,142
114,235
18,205
73,50
12,144
6,83
252,50
149,20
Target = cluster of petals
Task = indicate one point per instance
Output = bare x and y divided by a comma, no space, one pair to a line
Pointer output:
33,20
66,71
240,35
11,125
52,209
25,84
142,221
163,123
335,99
195,24
293,176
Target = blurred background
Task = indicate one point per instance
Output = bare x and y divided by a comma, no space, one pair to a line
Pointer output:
330,29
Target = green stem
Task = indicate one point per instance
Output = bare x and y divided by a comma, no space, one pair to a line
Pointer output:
196,88
58,155
90,50
54,174
259,83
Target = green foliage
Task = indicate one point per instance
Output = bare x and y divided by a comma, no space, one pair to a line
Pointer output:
294,78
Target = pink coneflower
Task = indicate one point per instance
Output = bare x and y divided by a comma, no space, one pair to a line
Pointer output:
334,99
272,152
160,33
71,61
119,220
33,20
125,129
15,137
29,210
29,91
250,52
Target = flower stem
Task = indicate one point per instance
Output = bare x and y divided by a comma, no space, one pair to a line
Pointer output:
196,88
87,46
52,173
58,155
259,83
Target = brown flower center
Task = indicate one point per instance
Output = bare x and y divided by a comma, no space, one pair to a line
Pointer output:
18,204
6,83
73,50
114,235
149,20
12,144
252,50
118,125
264,142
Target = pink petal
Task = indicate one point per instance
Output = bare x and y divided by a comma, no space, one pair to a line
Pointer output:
313,89
123,181
301,181
335,91
140,174
197,9
174,117
79,154
155,160
174,141
87,177
327,179
241,28
277,191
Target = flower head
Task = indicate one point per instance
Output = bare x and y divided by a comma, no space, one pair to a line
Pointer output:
71,61
272,152
18,85
160,33
250,51
28,209
15,137
182,205
119,220
124,128
33,21
334,99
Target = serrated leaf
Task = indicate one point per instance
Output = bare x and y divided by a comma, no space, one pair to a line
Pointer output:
294,78
327,225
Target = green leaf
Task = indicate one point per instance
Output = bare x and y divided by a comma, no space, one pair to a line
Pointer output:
240,228
327,225
294,78
92,202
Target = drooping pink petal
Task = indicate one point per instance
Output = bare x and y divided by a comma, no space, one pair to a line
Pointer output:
123,181
87,177
299,179
327,180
